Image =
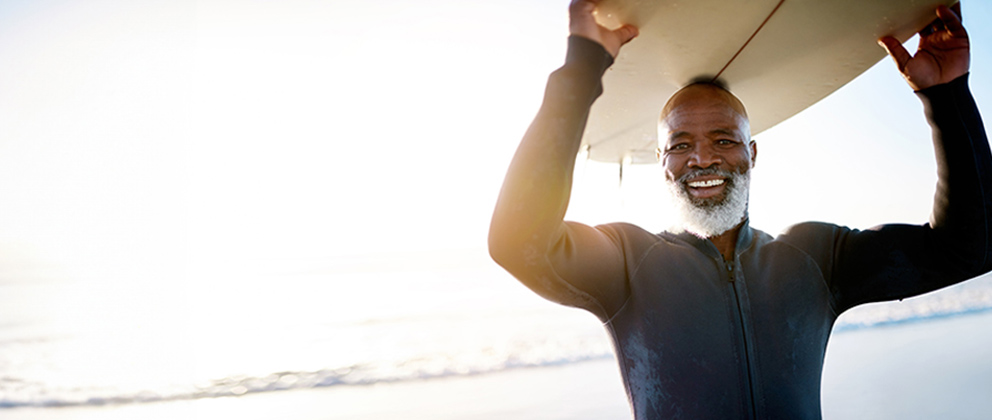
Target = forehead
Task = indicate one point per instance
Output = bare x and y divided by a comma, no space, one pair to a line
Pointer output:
699,119
698,110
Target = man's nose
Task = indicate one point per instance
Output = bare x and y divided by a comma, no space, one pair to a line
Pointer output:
703,157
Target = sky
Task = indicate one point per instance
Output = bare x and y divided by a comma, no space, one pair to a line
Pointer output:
212,136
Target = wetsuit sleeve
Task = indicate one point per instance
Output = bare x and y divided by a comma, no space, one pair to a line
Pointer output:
565,262
897,261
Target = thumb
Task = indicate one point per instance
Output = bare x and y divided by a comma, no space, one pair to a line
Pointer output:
896,51
626,33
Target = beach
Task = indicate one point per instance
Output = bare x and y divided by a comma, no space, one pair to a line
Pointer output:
219,210
586,390
936,368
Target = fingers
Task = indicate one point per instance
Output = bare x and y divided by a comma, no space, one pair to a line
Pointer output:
582,11
581,7
580,18
950,19
582,22
896,51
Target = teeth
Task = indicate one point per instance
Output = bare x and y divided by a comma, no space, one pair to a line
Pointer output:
703,184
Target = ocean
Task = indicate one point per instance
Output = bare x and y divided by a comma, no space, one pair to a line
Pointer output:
70,340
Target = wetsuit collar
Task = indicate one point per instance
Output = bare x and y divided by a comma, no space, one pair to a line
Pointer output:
744,239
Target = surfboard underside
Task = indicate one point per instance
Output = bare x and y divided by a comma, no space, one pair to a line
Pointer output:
778,56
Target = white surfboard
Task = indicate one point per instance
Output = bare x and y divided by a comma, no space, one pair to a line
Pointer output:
778,56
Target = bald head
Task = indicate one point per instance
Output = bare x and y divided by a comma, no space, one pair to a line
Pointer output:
705,94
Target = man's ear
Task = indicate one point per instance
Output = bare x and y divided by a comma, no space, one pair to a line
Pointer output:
754,152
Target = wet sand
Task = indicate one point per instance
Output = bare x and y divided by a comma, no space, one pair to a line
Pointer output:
939,368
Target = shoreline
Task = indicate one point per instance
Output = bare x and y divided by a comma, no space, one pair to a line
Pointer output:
921,370
586,390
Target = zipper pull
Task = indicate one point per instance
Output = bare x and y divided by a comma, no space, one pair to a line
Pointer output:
730,270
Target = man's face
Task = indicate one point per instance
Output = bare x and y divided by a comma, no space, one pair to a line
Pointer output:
706,143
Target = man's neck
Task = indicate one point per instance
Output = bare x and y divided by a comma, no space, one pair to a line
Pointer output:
726,242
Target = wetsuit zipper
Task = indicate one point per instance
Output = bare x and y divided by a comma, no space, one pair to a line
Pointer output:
747,354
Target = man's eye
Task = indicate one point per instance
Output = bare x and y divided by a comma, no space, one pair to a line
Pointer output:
725,142
678,146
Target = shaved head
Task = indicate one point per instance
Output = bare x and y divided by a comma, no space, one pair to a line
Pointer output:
704,92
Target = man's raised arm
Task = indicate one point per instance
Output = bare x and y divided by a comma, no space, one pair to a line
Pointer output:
897,261
527,236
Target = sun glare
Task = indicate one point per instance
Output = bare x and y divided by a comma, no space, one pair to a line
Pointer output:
182,134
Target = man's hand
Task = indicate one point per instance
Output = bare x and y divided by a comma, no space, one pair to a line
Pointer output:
582,23
942,56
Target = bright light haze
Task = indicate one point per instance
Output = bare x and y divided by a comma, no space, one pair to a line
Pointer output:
191,136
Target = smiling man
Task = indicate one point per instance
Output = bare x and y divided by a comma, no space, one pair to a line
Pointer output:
708,159
716,319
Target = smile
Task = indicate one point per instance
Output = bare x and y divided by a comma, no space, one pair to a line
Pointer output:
706,183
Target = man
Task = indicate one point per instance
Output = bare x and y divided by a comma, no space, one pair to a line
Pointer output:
717,319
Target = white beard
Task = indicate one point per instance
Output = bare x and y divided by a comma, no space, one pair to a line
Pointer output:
707,220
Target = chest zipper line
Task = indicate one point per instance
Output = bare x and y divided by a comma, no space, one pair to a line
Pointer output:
747,354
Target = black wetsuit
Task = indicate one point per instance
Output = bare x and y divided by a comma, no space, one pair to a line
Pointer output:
698,337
